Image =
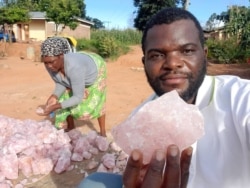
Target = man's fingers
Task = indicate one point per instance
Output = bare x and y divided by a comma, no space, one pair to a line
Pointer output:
176,169
172,172
153,177
186,156
132,171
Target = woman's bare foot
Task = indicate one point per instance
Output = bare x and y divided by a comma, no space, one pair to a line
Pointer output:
103,133
69,128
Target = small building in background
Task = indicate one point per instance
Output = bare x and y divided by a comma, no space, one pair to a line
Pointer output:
216,33
38,29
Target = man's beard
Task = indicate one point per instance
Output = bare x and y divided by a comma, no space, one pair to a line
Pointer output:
192,89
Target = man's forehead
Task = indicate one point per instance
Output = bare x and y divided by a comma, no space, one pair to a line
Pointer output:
178,32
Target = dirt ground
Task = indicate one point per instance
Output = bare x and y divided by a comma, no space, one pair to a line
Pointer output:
25,84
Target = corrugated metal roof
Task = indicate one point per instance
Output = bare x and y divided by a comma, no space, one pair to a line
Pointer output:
42,16
37,15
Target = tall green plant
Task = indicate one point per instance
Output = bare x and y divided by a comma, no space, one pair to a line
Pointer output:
239,26
63,12
128,36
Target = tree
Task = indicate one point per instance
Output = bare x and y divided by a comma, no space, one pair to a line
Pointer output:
213,22
238,25
39,5
98,24
238,19
147,8
11,15
82,7
63,12
185,4
31,5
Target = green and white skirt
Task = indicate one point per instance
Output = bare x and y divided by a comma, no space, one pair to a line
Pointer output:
94,99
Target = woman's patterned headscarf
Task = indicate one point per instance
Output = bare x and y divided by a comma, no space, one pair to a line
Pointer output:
54,46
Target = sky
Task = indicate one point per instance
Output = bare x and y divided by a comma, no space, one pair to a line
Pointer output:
119,14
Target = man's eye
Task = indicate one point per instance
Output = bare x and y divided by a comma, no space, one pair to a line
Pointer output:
156,56
188,51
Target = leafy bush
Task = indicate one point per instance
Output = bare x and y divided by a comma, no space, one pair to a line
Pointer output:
86,45
110,43
107,46
224,51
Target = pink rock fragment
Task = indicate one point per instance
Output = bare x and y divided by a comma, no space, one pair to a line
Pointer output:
81,145
93,150
36,147
19,186
9,165
102,168
40,111
74,135
71,167
92,164
17,143
122,156
86,155
63,162
5,185
159,123
25,165
108,160
91,136
42,166
102,143
77,157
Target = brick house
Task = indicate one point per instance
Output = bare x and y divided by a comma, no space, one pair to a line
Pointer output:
38,29
216,33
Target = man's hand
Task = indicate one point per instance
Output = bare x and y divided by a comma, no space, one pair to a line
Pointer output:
174,175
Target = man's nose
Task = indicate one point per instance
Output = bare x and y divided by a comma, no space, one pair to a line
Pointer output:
173,60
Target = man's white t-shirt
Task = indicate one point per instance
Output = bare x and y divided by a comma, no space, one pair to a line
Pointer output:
221,158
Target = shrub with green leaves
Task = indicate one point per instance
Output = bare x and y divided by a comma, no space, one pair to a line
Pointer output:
85,45
110,43
106,46
224,51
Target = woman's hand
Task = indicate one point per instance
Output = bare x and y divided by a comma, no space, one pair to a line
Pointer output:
52,100
44,110
174,175
51,106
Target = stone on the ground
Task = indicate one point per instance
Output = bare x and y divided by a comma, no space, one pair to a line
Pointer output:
159,123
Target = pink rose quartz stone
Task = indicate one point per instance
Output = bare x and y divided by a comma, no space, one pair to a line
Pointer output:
159,123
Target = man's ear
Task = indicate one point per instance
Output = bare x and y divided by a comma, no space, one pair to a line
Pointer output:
143,60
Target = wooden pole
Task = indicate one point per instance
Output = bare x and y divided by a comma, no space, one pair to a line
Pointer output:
186,4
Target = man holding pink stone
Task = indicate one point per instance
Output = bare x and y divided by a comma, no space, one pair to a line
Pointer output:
175,59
